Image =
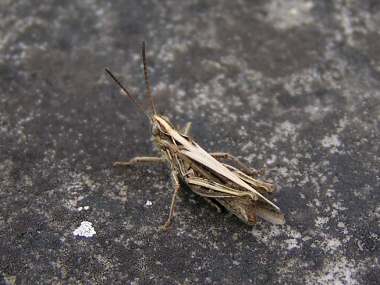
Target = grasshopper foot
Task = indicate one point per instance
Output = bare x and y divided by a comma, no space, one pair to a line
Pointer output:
165,227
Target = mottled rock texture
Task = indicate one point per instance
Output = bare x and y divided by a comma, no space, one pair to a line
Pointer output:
291,85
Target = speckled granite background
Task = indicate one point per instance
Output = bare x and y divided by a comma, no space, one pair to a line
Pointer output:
292,85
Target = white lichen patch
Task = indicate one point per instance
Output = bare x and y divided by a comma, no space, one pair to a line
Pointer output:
171,47
266,236
269,236
331,142
85,230
338,206
332,244
321,221
283,133
289,14
75,187
292,243
287,129
343,123
337,272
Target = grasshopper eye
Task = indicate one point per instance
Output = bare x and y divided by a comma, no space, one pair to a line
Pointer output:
155,130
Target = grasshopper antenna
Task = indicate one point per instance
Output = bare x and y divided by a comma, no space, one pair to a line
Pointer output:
147,83
133,99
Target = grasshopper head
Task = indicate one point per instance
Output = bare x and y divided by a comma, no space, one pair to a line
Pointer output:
161,130
160,125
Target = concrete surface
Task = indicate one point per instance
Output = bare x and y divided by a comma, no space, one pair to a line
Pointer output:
292,85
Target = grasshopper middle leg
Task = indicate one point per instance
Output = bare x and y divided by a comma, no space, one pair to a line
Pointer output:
213,204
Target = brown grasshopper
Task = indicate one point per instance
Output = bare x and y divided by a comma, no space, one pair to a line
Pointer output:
235,188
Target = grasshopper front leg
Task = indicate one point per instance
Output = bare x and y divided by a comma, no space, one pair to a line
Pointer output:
172,205
187,129
138,160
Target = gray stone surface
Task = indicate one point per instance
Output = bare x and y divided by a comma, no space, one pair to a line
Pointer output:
293,85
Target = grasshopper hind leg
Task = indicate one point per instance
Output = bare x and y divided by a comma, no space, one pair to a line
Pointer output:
139,160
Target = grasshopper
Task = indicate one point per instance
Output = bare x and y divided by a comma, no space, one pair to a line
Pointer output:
236,188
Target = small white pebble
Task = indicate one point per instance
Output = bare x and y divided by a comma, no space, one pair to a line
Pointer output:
272,159
85,230
148,203
83,208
